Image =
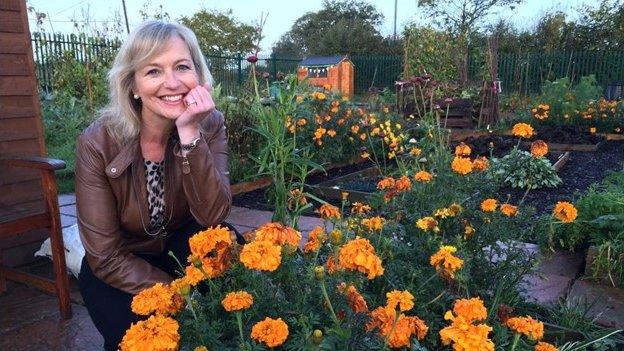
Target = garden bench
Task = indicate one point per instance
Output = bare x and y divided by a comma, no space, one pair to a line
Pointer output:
16,220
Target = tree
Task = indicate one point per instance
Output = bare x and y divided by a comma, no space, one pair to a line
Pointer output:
341,27
220,33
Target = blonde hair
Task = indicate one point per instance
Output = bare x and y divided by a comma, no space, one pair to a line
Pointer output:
121,116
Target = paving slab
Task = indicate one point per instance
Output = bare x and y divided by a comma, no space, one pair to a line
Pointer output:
553,276
67,199
67,221
69,210
605,304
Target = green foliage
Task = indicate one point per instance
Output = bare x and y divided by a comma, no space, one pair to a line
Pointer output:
430,51
519,169
220,33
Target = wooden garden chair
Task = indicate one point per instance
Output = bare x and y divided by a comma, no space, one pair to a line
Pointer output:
15,221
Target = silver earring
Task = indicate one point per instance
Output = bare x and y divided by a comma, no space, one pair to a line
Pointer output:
135,96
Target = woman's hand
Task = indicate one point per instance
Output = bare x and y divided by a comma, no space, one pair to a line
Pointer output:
199,105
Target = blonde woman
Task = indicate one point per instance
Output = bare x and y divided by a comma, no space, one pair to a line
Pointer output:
150,171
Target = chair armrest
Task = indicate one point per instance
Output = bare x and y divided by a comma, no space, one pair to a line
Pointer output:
37,162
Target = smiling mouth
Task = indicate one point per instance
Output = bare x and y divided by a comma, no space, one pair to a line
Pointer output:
172,98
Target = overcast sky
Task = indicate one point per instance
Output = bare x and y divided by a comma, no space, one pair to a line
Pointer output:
281,13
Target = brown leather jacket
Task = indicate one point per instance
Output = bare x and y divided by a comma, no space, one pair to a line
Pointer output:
111,199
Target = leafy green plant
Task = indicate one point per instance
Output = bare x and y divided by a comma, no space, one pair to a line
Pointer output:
519,169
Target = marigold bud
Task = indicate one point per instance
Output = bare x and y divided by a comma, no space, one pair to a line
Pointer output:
336,237
319,272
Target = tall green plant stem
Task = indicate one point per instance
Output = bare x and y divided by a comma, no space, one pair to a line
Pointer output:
329,304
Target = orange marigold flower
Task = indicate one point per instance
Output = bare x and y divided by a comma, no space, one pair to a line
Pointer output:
455,209
261,255
522,130
331,133
180,286
509,210
331,265
328,211
374,223
461,165
528,326
565,212
468,231
462,150
315,239
386,183
359,255
445,263
396,334
237,301
296,196
159,299
427,223
302,122
489,205
272,332
423,177
193,275
466,336
355,129
213,238
354,298
403,184
402,299
471,309
592,130
544,346
539,148
480,163
156,333
278,234
414,151
360,208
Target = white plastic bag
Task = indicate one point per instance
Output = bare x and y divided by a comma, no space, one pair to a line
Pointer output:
74,251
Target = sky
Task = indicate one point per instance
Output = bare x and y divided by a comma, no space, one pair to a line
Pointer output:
281,13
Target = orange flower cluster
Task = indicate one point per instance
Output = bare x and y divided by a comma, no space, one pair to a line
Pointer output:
211,247
489,205
565,212
544,346
394,187
461,165
359,255
462,150
318,135
397,331
278,234
374,223
159,299
328,211
237,301
522,130
539,148
480,163
509,210
318,95
453,210
540,112
428,223
354,298
445,262
463,333
527,326
414,151
296,197
261,255
156,333
271,332
360,208
316,238
423,177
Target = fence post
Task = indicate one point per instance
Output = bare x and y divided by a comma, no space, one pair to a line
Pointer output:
273,66
239,76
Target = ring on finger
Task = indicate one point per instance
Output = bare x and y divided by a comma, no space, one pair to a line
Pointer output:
189,103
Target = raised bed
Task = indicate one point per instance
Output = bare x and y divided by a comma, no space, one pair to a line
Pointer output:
612,136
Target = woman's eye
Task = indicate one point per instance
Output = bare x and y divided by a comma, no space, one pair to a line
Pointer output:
183,68
152,72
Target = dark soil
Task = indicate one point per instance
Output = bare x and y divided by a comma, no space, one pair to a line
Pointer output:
498,146
581,170
566,135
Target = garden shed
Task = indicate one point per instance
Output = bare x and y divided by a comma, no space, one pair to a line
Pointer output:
337,71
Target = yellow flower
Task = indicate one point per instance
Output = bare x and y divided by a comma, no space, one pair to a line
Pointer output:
462,150
489,205
155,333
402,299
331,133
461,165
328,211
592,130
237,301
445,263
365,155
565,212
159,299
278,234
373,223
539,148
261,255
544,346
200,348
272,332
414,151
427,223
468,231
423,177
522,130
528,326
359,255
509,210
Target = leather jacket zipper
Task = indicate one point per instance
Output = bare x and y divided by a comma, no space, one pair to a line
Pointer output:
186,169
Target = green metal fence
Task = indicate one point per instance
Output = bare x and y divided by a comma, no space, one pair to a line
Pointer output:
376,71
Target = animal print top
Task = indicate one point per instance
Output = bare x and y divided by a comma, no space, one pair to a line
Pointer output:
154,172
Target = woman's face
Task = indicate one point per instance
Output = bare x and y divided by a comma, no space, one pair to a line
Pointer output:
162,82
